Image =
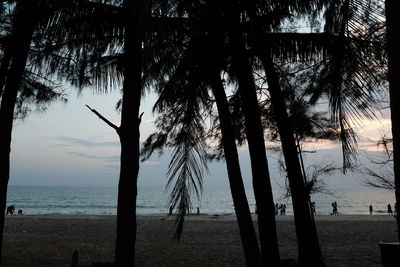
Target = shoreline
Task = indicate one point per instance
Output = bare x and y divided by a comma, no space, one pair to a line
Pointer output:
229,217
49,240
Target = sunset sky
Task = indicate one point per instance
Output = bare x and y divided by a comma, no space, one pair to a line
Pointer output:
68,145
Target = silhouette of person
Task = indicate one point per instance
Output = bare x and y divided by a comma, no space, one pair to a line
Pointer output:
390,212
10,210
276,208
335,211
283,209
370,209
198,211
19,212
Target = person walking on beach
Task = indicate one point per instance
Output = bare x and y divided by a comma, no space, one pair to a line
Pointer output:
390,212
283,209
334,208
198,211
370,209
276,208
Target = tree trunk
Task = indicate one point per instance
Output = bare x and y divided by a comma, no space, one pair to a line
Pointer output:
129,134
243,215
307,237
392,47
24,23
5,64
255,138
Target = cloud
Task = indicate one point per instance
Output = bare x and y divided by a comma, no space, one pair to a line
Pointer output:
114,158
111,159
68,141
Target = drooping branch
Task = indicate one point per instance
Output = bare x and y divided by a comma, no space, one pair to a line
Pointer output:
103,118
140,117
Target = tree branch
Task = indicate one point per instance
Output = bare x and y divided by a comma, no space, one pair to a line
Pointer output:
103,118
140,117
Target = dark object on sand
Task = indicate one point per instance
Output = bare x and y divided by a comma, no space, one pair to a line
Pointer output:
390,252
10,210
75,259
19,212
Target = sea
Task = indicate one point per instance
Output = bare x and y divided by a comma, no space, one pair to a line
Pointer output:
154,201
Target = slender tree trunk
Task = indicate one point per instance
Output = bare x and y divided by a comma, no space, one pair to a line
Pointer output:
255,137
134,12
24,23
243,215
392,47
5,64
307,237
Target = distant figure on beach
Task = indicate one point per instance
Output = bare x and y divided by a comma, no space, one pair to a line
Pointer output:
283,209
276,208
334,208
198,211
19,212
371,209
313,212
390,212
170,211
10,210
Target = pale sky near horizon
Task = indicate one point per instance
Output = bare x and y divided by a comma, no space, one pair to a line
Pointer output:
69,146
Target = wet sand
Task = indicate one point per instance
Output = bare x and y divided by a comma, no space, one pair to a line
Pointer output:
49,240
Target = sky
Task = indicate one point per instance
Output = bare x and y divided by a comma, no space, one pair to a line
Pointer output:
69,146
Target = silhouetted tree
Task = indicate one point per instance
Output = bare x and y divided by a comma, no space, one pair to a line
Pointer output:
200,67
135,18
254,134
25,19
381,175
392,45
307,239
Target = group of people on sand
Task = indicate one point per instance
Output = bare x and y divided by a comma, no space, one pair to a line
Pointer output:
389,209
280,209
11,209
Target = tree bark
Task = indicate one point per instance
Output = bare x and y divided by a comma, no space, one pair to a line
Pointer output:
392,47
307,237
255,138
5,64
24,23
243,215
129,134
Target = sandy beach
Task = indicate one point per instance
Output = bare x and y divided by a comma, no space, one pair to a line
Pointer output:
49,240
